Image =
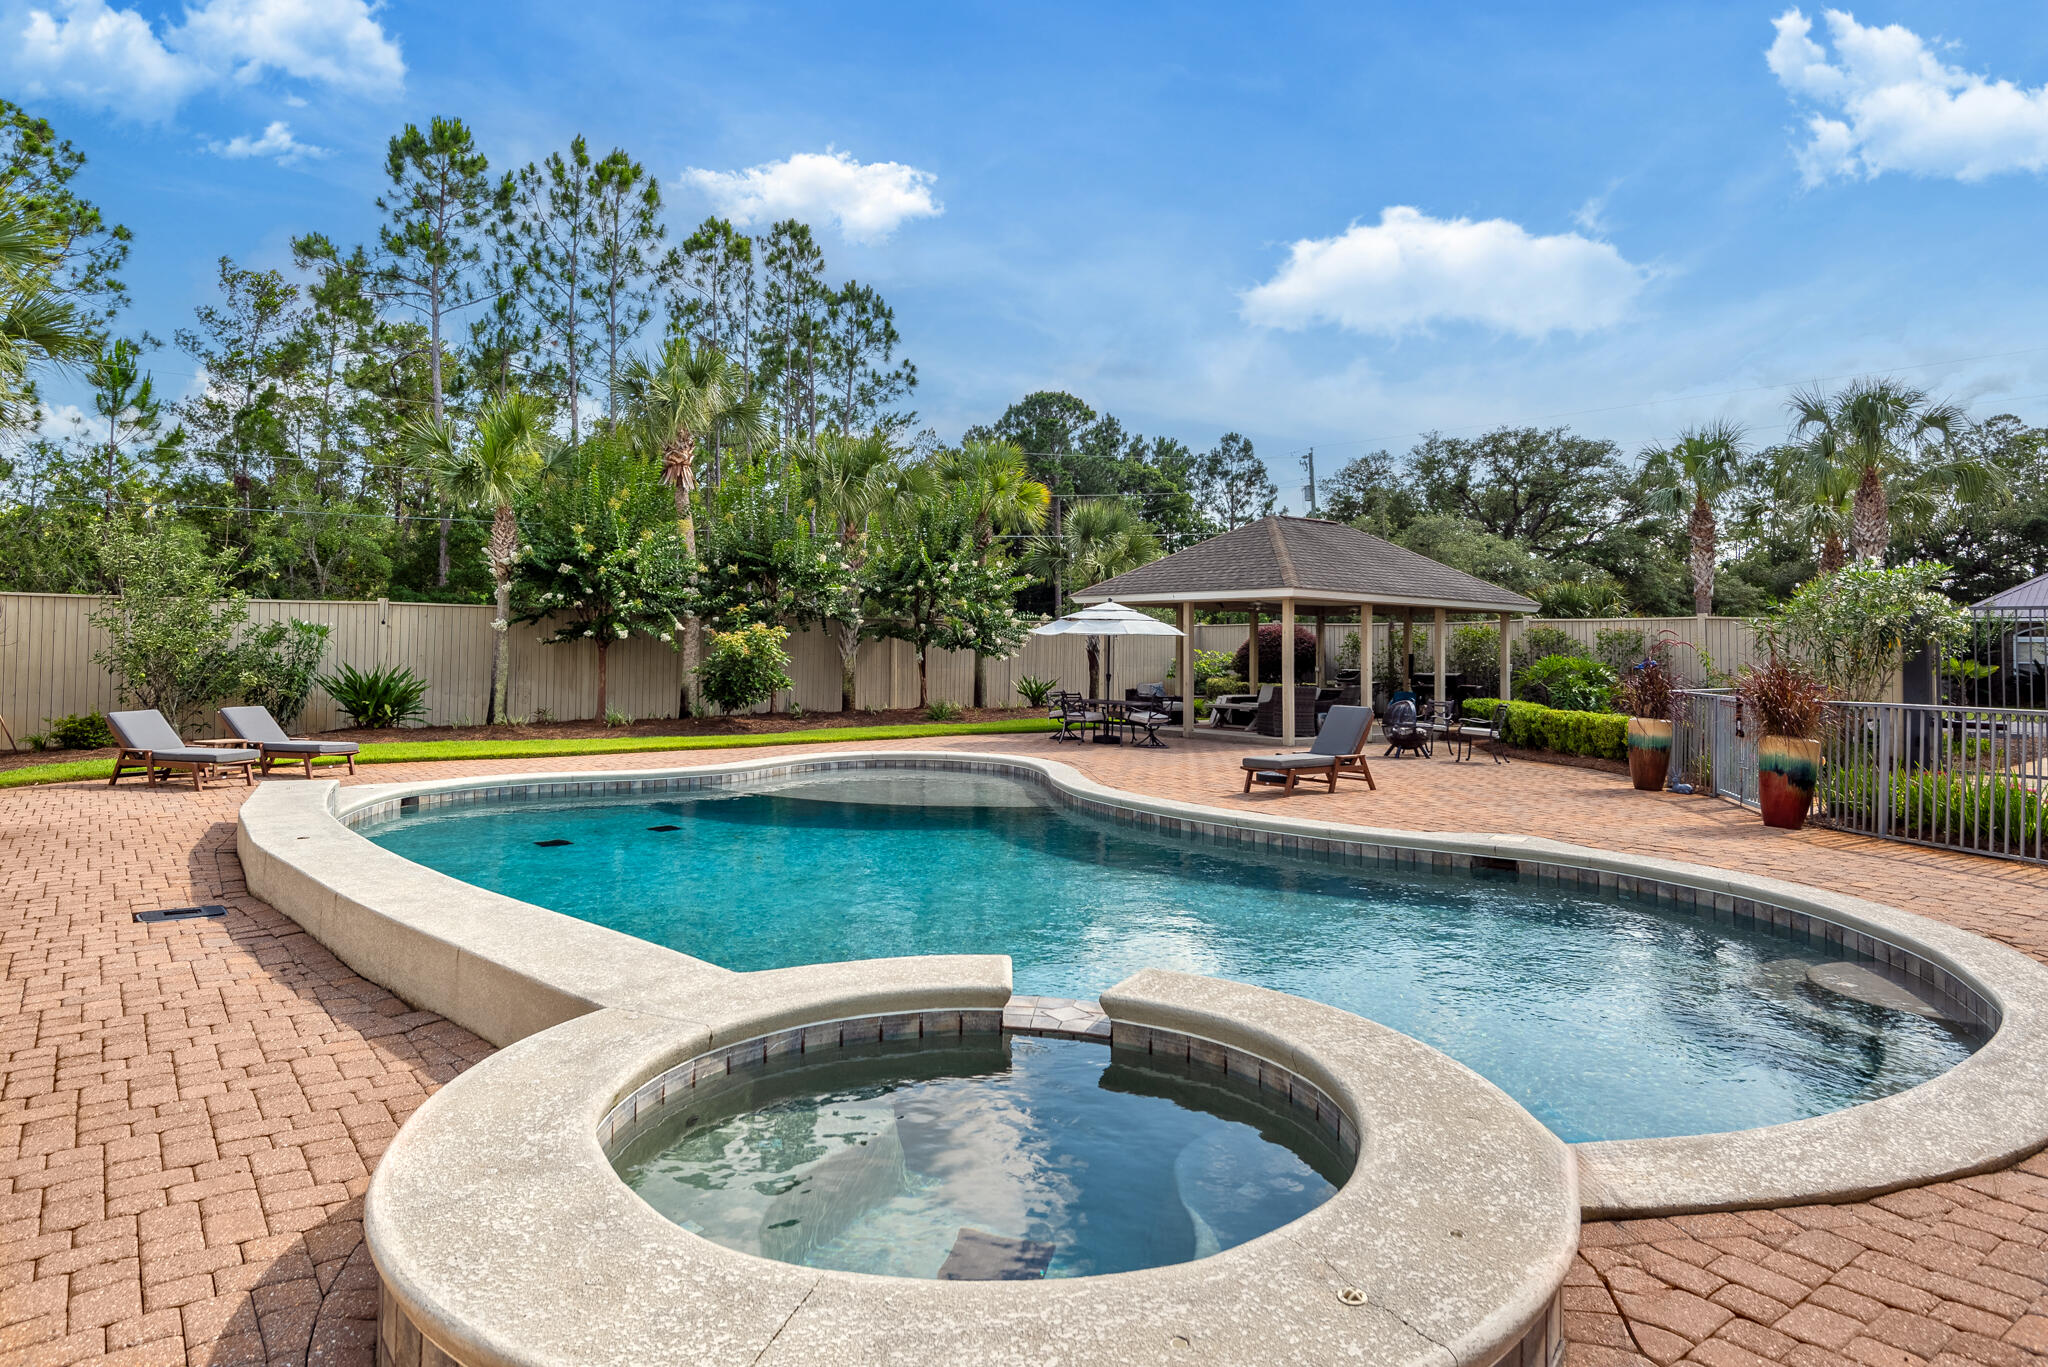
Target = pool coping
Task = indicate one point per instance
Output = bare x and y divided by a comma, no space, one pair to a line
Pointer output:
502,1234
506,968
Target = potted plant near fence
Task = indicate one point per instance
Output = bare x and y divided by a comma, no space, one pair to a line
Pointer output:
1790,704
1645,695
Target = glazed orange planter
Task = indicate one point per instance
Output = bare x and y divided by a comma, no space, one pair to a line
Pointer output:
1787,772
1649,753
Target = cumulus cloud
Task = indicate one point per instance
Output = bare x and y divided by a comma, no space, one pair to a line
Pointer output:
101,56
868,202
1410,270
1886,102
276,142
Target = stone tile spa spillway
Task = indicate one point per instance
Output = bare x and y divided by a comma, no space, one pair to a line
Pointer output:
1607,1016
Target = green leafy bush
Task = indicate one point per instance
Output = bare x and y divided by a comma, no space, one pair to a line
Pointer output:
171,633
1982,811
1036,691
1571,682
1217,688
941,710
1539,642
1598,735
745,665
1474,652
377,698
80,731
276,665
1853,626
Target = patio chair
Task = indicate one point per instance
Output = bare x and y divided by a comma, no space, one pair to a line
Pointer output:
256,725
150,746
1266,721
1462,732
1339,751
1070,710
1402,732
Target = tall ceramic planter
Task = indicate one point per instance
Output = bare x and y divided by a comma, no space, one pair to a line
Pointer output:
1649,753
1787,772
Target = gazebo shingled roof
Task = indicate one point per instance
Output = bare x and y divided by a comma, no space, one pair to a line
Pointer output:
1309,561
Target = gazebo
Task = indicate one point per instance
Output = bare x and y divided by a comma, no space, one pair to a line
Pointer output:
1292,567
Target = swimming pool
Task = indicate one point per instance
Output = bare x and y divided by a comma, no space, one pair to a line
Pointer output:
1607,1017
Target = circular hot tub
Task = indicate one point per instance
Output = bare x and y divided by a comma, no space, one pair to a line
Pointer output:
981,1156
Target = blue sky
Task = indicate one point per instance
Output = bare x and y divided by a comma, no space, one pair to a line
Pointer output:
1328,226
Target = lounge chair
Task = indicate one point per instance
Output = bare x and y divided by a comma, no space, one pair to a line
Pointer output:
150,746
257,726
1339,751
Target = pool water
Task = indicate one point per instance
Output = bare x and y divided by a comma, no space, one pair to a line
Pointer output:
995,1158
1604,1016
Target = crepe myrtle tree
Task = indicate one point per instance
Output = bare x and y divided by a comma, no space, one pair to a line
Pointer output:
604,559
929,586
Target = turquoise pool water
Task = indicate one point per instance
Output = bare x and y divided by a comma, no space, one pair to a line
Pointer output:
1607,1018
1002,1158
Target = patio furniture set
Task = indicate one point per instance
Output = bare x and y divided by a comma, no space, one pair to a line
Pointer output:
151,747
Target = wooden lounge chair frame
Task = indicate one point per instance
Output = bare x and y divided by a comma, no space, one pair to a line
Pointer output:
282,749
157,765
1351,764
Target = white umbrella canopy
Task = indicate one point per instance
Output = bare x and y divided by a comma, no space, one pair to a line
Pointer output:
1111,619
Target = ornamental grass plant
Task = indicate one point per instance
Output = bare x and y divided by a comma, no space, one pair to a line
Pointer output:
1787,699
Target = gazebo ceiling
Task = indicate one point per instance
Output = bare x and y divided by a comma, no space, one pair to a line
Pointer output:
1311,562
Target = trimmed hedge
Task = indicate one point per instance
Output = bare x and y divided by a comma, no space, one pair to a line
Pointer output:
1597,735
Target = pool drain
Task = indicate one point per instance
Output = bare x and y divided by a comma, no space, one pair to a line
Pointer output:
199,913
1351,1295
551,844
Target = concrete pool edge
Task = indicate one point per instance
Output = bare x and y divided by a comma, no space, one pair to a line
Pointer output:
502,1235
504,968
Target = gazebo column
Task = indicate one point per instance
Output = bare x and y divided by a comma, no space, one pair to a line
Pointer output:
1287,671
1365,653
1322,630
1504,620
1186,613
1438,631
1408,650
1251,652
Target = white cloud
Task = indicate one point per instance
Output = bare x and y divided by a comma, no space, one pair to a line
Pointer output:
94,54
868,202
1887,103
277,141
1410,270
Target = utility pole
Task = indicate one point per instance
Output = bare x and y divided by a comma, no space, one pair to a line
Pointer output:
1309,461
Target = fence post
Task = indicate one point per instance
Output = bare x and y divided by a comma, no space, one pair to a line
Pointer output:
1885,759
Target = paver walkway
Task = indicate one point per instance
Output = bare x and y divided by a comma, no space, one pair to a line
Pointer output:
189,1112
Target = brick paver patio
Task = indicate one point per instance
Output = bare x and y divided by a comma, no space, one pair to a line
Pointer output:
190,1111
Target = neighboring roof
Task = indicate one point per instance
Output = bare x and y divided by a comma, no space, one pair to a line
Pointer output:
2032,594
1304,558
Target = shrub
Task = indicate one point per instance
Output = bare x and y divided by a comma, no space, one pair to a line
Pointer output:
1474,652
377,698
80,731
171,633
614,717
1788,699
1269,654
1538,642
1598,735
1209,664
1216,688
942,710
1571,682
1853,626
276,665
1984,811
745,665
1038,692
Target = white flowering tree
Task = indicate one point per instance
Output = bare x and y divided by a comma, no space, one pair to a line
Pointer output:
604,560
928,585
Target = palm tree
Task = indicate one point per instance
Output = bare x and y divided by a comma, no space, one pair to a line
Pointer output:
1001,498
1818,497
1694,474
1881,431
37,324
679,400
1100,539
494,468
850,482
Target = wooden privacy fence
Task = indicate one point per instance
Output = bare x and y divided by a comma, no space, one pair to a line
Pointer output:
47,646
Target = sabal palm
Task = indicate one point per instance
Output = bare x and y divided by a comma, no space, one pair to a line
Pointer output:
681,399
37,325
1692,475
1818,498
1876,428
493,468
1001,496
850,482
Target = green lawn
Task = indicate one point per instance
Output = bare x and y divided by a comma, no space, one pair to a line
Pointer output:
406,752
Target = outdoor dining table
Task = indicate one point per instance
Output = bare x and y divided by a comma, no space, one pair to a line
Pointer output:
1123,717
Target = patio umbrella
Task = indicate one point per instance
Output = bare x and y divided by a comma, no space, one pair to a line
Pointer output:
1109,620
